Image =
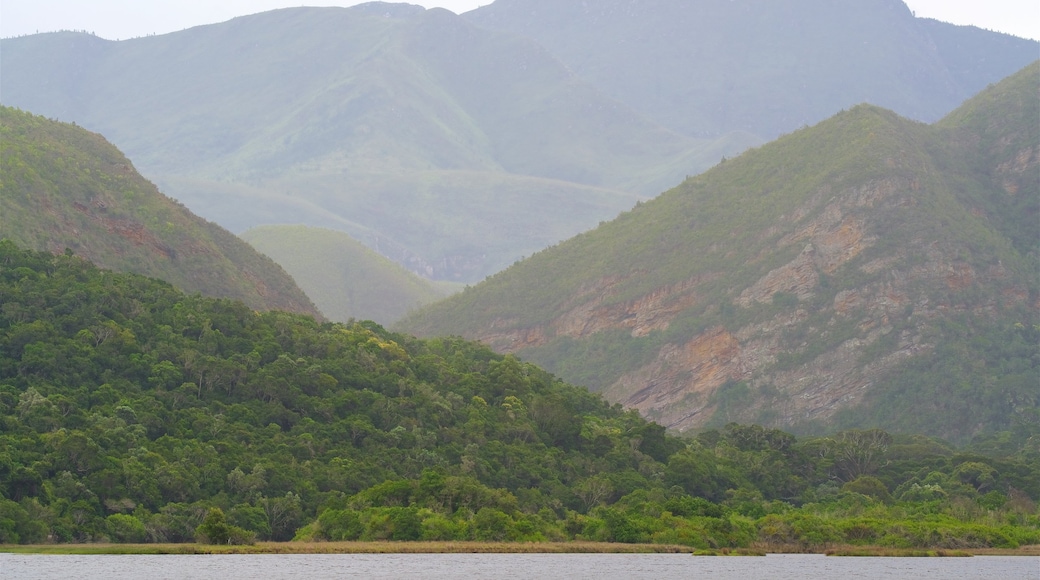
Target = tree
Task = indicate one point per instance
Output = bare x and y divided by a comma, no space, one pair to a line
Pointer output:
214,529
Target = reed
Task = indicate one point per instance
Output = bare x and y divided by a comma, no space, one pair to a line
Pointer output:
897,552
355,548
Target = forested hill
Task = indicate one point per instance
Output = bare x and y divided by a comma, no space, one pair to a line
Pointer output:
65,188
132,412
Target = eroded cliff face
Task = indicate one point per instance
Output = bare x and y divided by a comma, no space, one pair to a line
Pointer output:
1022,166
593,310
814,356
677,387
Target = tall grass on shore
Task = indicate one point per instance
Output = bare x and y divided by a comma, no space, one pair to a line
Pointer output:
493,548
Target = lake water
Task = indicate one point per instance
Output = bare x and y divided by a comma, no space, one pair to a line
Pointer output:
513,566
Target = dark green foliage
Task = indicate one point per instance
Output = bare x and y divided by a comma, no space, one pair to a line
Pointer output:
340,525
132,412
214,529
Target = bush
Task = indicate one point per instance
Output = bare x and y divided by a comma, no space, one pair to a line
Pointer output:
17,526
492,525
125,529
214,529
340,525
622,527
437,527
869,486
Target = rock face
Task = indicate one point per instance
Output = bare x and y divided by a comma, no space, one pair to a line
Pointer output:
676,387
785,286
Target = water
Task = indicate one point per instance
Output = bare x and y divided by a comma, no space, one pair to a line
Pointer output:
513,566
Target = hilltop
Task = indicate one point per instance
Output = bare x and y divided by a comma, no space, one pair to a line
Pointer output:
63,188
767,67
867,271
344,278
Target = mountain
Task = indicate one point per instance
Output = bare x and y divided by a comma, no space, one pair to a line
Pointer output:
868,271
768,67
452,149
344,278
63,187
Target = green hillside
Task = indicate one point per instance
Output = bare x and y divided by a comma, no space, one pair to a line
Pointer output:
345,279
131,412
796,284
326,114
764,66
995,134
65,188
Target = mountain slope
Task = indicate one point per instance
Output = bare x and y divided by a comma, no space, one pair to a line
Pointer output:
325,113
793,283
763,66
64,187
344,278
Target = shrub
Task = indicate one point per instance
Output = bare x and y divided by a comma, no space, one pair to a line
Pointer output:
124,528
340,525
214,529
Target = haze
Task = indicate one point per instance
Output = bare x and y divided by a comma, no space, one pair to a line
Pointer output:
122,19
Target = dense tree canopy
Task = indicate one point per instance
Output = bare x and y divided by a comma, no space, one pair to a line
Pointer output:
132,412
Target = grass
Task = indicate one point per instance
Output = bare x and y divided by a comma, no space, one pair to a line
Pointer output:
731,552
355,548
496,548
887,552
898,553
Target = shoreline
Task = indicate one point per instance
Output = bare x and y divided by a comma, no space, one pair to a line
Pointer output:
495,548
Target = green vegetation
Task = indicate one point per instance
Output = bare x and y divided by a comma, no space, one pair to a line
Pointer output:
990,133
131,412
384,547
344,278
64,187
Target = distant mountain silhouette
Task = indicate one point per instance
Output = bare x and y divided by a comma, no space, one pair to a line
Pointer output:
708,67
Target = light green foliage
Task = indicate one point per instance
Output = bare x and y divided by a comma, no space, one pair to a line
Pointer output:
345,279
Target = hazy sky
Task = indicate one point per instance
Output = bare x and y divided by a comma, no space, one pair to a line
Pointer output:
120,19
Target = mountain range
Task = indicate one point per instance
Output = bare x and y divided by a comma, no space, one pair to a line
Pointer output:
768,67
869,270
452,149
456,145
